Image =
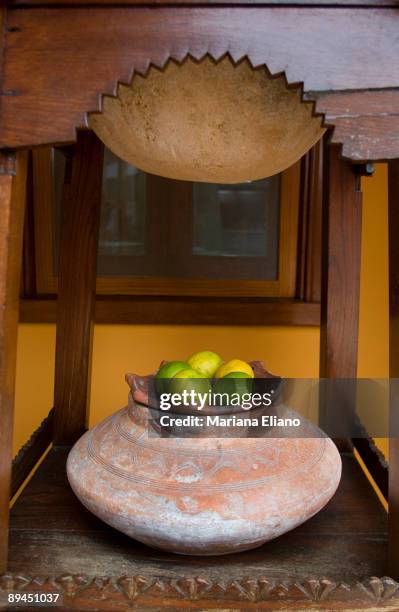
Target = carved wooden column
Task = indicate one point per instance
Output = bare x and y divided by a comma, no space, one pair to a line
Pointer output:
340,287
80,218
12,206
393,216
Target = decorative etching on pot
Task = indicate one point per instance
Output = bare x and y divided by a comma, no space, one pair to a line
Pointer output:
191,467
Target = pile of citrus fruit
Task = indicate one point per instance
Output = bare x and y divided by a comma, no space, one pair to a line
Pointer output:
198,371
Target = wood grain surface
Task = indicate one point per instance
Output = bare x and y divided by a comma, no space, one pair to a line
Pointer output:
340,297
53,534
12,207
183,311
367,123
309,226
69,520
80,218
48,88
342,216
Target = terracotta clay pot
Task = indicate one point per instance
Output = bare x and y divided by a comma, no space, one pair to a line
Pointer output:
217,122
204,495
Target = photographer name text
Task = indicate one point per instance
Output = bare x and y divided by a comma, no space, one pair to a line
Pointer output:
169,420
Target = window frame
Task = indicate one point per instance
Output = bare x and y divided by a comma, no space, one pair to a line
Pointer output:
301,310
282,287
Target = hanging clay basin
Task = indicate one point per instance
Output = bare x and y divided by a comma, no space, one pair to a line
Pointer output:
200,496
209,121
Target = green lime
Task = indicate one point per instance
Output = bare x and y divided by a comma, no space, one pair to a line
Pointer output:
232,387
205,362
168,371
190,383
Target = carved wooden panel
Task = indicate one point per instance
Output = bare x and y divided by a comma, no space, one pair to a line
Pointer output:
79,592
58,62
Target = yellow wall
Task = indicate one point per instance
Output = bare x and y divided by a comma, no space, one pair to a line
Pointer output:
289,351
374,299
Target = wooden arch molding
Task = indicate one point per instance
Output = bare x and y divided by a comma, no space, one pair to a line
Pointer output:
58,63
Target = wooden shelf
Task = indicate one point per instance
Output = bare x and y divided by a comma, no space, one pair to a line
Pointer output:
52,534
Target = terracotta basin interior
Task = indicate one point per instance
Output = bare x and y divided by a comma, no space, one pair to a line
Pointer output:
208,121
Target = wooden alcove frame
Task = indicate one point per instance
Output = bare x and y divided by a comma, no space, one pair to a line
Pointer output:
57,61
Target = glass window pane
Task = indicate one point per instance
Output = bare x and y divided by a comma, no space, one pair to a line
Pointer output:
123,212
238,221
155,227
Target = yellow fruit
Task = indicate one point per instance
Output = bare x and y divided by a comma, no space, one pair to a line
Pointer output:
234,365
205,362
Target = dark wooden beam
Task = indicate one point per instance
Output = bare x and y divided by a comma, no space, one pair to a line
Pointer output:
28,287
310,213
340,289
286,39
183,311
80,217
393,501
12,207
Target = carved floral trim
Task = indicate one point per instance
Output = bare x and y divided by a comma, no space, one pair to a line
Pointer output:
118,590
